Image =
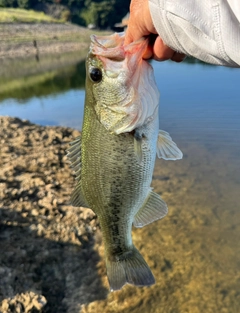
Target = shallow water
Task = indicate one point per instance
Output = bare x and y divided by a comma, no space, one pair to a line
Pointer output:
195,251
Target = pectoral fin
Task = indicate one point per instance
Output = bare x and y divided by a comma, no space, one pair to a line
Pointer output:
138,148
138,139
153,209
166,148
74,156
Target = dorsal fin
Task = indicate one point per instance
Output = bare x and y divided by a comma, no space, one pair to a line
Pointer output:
74,156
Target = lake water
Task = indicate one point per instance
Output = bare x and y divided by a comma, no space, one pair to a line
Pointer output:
200,238
196,101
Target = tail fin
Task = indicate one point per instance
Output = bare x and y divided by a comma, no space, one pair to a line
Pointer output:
129,267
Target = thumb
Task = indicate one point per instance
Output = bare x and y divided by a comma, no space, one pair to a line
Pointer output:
128,37
133,32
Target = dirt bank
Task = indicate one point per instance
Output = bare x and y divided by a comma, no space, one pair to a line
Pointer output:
24,40
51,258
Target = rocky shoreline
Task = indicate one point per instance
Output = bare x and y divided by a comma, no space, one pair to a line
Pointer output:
51,258
40,233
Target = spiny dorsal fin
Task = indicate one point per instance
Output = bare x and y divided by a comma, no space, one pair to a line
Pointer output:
166,148
74,156
77,198
152,210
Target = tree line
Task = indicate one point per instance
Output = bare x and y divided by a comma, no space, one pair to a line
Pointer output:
100,13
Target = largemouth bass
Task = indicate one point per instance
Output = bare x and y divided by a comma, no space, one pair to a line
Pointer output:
115,155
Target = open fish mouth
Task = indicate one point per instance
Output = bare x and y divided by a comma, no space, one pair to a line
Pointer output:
128,81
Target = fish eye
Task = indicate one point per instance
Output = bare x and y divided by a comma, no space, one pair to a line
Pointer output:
96,75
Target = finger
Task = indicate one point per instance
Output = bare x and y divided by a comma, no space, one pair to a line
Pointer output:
148,53
178,57
161,52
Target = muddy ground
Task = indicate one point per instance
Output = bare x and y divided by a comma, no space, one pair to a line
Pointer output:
51,254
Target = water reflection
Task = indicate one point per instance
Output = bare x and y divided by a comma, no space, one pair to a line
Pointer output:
45,84
53,97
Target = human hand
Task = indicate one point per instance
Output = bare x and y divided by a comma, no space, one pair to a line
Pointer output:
140,24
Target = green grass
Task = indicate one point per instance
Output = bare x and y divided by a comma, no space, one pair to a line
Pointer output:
9,15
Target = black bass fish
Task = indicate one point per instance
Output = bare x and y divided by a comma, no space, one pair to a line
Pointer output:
115,155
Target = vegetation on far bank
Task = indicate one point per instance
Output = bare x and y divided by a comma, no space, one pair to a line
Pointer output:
100,14
17,15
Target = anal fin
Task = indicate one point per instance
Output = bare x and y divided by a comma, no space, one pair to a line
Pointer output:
152,210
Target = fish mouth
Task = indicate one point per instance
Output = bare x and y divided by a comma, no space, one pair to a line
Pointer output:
112,47
131,80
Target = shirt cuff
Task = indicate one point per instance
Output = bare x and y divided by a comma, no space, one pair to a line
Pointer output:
198,29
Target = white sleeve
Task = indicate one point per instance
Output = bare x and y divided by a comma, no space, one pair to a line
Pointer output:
208,30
